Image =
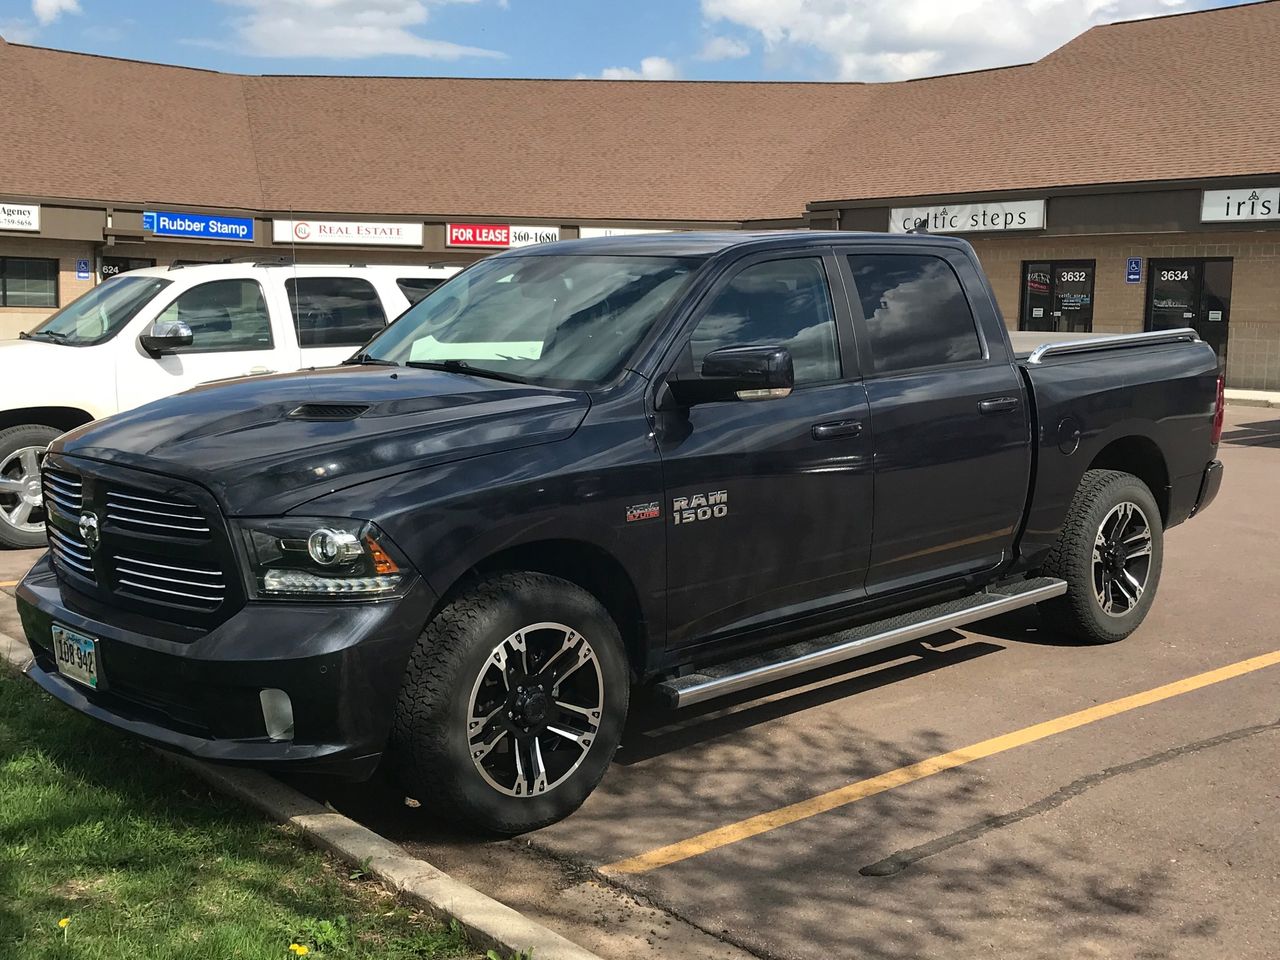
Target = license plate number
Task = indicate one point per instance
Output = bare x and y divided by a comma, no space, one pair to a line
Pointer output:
76,656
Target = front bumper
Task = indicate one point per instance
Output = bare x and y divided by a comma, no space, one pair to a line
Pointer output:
340,663
1209,485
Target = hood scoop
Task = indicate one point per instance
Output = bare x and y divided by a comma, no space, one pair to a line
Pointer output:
328,411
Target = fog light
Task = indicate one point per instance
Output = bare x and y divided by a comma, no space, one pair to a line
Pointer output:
277,713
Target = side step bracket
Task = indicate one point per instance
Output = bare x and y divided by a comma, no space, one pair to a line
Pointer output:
725,678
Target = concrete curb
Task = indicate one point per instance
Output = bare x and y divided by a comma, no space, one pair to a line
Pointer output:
490,924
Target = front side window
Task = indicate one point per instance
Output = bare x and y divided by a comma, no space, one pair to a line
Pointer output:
28,282
334,311
915,310
565,320
100,313
223,315
778,303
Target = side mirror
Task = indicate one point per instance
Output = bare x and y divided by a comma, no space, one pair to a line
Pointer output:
166,335
738,373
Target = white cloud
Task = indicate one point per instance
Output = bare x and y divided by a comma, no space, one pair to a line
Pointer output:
18,31
896,39
47,11
651,68
723,48
343,29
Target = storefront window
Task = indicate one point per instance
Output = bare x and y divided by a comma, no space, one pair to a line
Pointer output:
28,282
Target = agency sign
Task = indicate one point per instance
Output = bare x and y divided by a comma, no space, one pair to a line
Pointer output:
1240,205
996,217
19,216
498,235
347,232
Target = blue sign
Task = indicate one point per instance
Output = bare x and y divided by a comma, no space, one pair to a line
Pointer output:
164,223
82,269
1133,272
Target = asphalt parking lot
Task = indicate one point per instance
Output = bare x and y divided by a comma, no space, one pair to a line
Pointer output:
993,792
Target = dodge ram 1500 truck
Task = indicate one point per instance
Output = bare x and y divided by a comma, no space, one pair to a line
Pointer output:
695,461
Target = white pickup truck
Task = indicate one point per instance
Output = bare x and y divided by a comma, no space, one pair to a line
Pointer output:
150,333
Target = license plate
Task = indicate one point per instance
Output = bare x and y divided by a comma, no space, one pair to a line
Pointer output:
76,656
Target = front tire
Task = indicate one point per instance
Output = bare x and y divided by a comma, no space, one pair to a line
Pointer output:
1110,552
512,705
21,503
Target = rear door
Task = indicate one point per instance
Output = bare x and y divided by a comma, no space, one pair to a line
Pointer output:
948,415
332,315
768,502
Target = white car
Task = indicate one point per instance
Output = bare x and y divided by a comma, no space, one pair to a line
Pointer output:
150,333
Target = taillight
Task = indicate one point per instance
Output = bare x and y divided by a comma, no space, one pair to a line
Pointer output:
1219,408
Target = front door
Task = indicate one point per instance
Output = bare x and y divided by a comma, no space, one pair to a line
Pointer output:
767,517
233,335
1191,292
1057,296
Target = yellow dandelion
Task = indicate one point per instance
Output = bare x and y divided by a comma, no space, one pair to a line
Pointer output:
64,923
302,950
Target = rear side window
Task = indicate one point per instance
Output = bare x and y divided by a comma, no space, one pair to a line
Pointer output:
223,315
916,312
334,311
415,288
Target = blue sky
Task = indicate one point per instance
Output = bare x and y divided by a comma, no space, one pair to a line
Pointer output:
612,39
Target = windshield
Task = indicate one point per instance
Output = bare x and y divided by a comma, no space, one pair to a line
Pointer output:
553,319
101,312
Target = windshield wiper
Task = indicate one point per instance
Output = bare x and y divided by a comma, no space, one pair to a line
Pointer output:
53,335
363,358
461,366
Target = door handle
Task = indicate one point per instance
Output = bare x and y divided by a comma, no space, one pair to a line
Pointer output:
837,429
998,405
258,371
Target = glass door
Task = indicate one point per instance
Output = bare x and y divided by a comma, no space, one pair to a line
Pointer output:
1057,296
1037,297
1194,293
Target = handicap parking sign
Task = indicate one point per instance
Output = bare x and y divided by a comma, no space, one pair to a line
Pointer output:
1133,272
82,269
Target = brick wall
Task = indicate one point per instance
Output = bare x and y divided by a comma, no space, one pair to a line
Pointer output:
1253,346
14,319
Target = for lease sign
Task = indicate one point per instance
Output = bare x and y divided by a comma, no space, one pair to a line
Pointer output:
19,216
498,235
350,232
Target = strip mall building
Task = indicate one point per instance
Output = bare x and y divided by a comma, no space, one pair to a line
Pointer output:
1129,180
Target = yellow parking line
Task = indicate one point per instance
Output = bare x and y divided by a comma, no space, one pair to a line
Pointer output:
9,583
764,822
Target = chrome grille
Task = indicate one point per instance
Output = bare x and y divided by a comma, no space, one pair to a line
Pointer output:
150,515
70,554
63,490
191,583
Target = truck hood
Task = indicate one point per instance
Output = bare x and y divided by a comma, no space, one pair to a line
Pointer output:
264,445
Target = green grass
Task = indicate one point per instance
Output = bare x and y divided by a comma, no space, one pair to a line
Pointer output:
149,865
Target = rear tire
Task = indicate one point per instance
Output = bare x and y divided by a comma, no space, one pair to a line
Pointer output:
512,705
1110,553
21,505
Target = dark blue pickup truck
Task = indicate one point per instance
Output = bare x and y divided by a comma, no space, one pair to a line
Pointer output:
698,462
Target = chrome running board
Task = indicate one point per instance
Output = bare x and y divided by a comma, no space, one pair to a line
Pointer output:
726,678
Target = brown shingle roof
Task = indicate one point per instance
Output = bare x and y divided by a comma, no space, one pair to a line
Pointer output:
1177,97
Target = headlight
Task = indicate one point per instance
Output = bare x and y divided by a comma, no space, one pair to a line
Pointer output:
317,558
